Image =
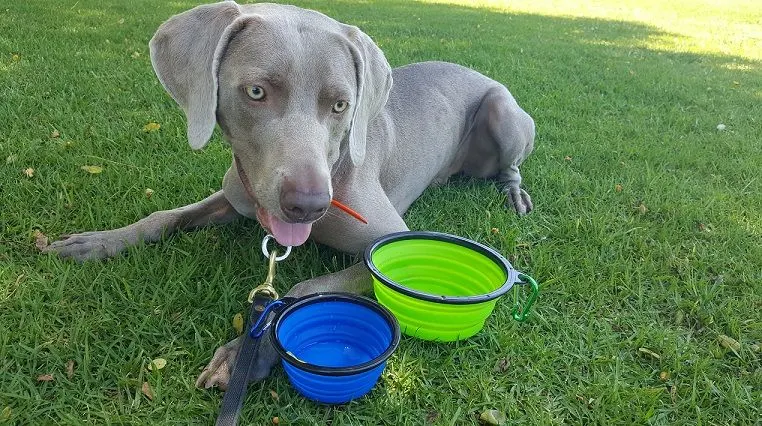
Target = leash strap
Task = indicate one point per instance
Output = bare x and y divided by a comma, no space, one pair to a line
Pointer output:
263,299
232,401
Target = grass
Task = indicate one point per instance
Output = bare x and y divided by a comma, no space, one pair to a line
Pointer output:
623,93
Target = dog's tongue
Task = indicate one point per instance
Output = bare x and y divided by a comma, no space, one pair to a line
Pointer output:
286,234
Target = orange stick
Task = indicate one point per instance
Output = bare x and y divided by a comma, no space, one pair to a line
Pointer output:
349,211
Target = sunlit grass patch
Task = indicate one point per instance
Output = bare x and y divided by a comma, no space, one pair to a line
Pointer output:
705,26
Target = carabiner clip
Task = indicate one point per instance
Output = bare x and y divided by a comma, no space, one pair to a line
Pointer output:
521,314
256,331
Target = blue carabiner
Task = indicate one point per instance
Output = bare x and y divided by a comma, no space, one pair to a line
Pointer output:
256,332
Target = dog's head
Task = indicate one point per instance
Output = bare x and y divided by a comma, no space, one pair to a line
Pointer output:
292,90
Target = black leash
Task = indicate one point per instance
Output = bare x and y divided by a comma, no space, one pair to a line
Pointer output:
262,298
244,361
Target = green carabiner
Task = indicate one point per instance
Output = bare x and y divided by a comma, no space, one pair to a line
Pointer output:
535,290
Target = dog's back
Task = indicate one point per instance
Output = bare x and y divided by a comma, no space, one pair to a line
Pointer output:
441,119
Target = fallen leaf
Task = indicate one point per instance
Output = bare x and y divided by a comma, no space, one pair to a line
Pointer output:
11,159
649,352
238,323
40,240
755,347
149,192
567,158
93,170
274,395
701,227
45,378
502,365
618,188
15,58
729,343
157,364
29,172
70,369
736,83
7,413
432,416
151,127
494,231
679,317
147,391
135,55
493,417
586,401
663,376
276,420
55,134
642,209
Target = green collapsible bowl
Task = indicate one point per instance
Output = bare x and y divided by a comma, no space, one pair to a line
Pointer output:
440,286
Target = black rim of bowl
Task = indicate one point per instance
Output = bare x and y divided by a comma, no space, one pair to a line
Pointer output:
511,275
340,297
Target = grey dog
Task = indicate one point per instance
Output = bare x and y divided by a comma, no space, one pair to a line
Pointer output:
311,114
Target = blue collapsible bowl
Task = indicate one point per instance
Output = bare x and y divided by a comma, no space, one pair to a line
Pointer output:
334,346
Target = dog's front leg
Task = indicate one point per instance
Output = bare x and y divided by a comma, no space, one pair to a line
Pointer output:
214,209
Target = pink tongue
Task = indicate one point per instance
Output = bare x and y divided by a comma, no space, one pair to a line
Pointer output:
286,234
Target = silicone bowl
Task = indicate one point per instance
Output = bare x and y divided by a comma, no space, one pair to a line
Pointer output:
334,346
441,286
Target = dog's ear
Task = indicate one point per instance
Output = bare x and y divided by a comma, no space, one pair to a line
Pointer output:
374,81
184,54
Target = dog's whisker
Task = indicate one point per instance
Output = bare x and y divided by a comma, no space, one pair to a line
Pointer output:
332,214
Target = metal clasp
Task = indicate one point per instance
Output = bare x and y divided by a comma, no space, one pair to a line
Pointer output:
267,286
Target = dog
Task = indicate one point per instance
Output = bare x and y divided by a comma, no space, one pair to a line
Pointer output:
313,112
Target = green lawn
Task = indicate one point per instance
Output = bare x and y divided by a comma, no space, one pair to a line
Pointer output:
646,234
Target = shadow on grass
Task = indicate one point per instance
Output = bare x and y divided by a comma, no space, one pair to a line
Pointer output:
596,92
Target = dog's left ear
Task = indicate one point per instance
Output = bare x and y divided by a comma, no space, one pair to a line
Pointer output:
374,81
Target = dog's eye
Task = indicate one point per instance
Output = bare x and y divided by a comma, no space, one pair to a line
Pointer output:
340,106
256,93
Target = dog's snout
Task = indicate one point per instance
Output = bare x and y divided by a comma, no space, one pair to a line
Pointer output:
303,201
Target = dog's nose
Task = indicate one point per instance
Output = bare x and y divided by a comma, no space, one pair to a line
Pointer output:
303,201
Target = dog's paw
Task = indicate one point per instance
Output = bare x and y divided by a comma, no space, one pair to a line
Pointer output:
218,371
87,245
518,199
